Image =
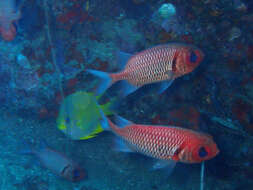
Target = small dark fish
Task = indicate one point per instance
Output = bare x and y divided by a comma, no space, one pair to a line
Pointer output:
8,16
58,163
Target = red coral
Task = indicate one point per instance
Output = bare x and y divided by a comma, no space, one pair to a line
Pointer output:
75,15
72,83
186,116
156,119
71,86
74,54
233,65
100,65
241,110
250,52
187,38
43,113
164,37
58,97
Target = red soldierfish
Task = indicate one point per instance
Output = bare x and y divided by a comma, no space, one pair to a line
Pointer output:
161,63
164,142
57,163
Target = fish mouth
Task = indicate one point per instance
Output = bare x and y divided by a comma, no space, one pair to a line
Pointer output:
217,152
214,151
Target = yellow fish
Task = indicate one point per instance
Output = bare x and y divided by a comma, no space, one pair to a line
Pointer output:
80,115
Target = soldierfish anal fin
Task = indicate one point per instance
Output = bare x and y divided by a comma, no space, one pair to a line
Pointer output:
164,85
122,58
169,165
126,88
121,146
121,122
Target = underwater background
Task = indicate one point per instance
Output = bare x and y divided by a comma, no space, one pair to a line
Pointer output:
46,46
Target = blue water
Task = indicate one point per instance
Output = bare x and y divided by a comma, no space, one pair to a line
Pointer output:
59,39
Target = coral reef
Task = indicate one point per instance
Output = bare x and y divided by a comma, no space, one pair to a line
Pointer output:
217,98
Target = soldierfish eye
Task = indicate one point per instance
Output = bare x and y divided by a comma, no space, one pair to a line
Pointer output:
202,152
193,57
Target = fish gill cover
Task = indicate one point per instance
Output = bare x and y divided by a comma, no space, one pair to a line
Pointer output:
47,48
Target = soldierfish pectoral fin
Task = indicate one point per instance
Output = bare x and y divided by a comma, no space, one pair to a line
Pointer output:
121,145
125,88
121,122
164,85
122,59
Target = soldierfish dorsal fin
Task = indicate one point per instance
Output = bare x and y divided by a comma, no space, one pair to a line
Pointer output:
121,122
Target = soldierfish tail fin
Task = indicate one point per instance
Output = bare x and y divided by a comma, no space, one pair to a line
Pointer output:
105,81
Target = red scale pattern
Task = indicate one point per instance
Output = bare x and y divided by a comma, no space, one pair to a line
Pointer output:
158,142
